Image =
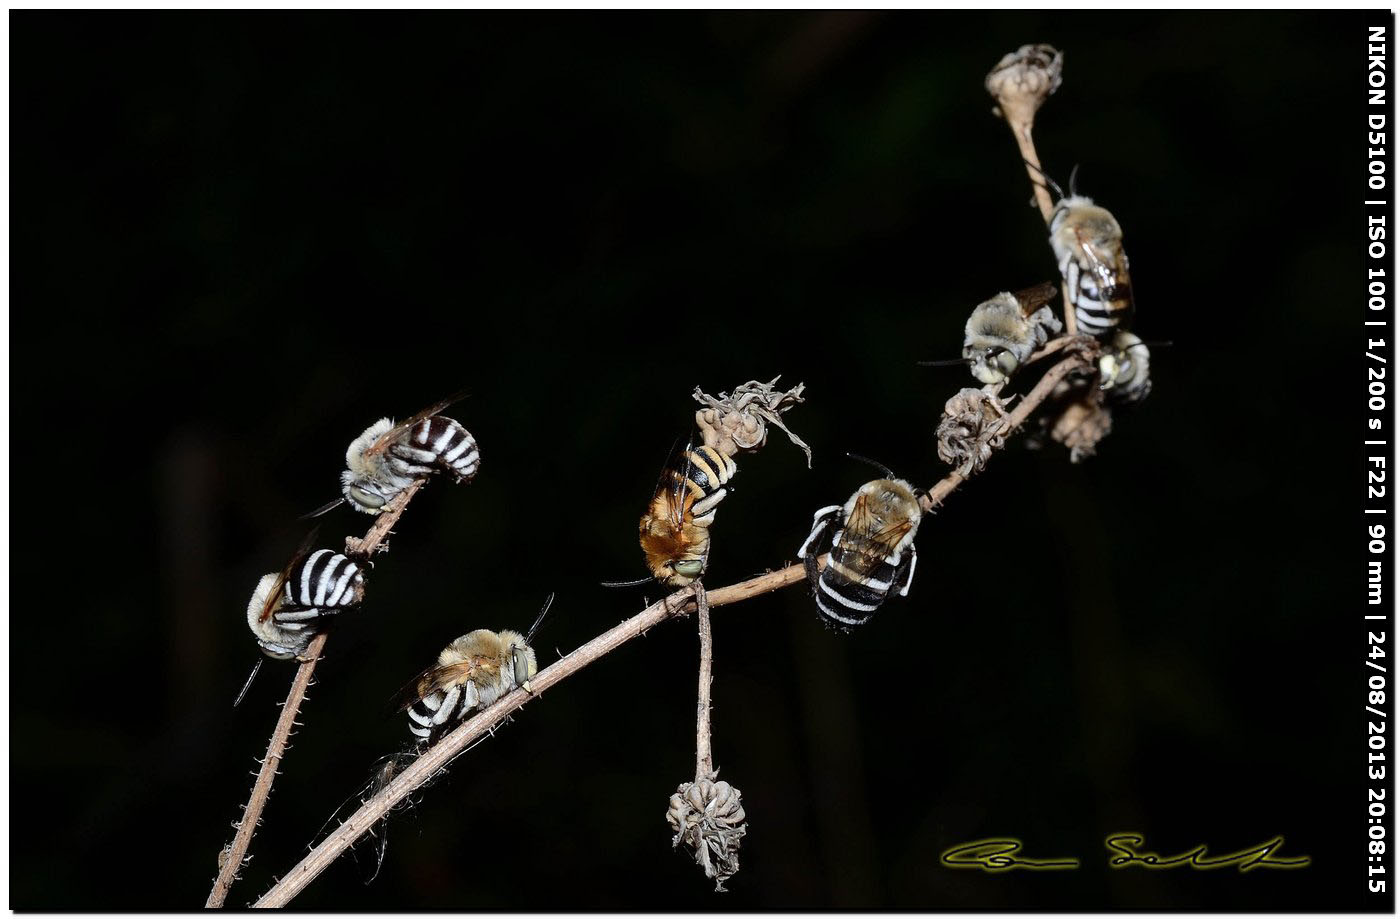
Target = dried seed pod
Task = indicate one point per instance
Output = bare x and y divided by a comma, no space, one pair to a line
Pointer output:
973,425
1082,421
708,816
739,420
1022,81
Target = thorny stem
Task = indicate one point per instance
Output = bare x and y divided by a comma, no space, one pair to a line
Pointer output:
704,759
441,754
231,859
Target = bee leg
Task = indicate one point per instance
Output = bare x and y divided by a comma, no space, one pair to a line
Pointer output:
905,576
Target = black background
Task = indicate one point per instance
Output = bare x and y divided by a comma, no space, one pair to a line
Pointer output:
239,238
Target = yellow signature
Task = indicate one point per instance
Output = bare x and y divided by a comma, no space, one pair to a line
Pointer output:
1000,854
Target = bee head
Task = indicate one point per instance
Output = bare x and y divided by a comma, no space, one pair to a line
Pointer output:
991,365
690,569
362,493
522,659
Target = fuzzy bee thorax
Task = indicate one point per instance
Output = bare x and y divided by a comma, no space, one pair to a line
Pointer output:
355,459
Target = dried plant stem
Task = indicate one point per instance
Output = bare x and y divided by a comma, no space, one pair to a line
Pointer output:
677,604
232,857
1079,360
1022,133
1021,130
704,759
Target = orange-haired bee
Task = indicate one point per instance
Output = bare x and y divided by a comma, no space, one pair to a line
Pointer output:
675,530
872,551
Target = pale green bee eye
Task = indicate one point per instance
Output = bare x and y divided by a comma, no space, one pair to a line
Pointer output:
364,498
1007,363
690,569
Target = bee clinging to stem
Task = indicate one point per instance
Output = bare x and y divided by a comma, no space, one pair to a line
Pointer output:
1088,245
675,529
872,551
290,606
470,674
1003,332
388,457
1123,368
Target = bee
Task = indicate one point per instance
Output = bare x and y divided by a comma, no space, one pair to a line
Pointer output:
389,457
470,674
872,551
675,530
288,606
1003,332
1123,368
1088,243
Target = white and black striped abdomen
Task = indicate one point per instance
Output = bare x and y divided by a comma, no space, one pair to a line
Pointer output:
436,444
432,714
1103,299
284,618
324,580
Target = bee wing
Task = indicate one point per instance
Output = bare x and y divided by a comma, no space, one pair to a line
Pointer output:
872,545
391,436
429,681
275,594
672,482
1105,275
1033,298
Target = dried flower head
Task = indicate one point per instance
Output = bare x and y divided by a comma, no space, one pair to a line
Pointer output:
709,818
739,420
1081,422
973,425
1022,80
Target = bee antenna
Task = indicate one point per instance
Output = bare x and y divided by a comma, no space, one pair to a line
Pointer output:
627,583
867,460
323,509
947,363
1158,344
244,691
1059,192
1073,173
548,602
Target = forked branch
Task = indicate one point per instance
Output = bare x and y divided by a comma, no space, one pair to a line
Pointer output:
677,604
233,855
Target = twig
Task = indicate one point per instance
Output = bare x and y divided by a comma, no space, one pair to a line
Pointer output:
1079,360
450,746
231,859
704,759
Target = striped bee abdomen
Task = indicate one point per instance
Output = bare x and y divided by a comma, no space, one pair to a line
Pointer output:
704,474
323,580
1100,303
849,598
436,444
429,716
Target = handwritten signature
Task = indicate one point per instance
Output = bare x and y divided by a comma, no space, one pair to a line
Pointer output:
1000,854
